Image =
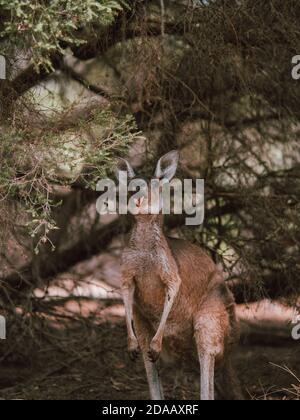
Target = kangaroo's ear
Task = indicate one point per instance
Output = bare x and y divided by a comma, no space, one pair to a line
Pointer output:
122,165
167,166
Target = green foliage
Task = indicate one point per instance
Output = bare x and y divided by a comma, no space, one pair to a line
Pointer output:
33,164
43,27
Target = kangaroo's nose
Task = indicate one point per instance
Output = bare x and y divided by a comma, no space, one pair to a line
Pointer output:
139,201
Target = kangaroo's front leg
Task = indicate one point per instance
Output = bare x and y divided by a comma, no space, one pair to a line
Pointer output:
128,289
172,288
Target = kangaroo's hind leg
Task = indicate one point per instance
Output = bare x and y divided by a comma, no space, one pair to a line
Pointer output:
144,334
209,337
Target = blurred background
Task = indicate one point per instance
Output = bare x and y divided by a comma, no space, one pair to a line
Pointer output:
90,80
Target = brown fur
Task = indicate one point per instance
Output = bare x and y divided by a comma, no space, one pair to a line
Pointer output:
202,319
176,301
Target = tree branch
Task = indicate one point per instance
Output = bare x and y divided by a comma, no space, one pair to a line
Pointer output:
124,28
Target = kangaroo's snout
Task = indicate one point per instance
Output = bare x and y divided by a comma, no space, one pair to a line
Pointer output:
139,202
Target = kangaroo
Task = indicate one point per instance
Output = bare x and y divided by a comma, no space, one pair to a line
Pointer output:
176,301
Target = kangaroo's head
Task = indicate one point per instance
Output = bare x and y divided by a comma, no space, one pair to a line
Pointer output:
145,195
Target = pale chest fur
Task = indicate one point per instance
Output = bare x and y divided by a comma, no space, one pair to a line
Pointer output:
148,268
147,262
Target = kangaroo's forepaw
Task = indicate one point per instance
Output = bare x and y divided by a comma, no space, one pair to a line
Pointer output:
154,351
133,350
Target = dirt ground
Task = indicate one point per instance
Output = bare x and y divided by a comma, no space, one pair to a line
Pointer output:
86,362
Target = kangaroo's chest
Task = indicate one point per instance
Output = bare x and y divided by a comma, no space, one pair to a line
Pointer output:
147,264
150,289
147,268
